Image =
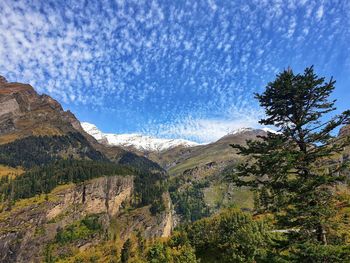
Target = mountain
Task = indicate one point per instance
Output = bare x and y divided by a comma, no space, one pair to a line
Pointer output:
26,116
199,176
198,183
61,191
139,142
35,130
23,113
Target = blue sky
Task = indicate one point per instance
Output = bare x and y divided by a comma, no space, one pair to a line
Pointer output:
174,69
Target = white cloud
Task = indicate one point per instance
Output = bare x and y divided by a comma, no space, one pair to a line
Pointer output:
205,130
156,61
319,13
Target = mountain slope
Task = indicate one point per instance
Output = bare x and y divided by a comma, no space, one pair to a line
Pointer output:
200,184
23,113
139,142
219,151
55,178
26,116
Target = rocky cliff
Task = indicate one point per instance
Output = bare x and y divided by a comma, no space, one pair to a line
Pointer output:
20,238
23,112
31,224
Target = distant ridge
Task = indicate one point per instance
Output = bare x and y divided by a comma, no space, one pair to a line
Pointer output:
138,141
146,143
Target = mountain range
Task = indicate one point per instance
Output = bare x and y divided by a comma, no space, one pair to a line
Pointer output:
67,188
137,141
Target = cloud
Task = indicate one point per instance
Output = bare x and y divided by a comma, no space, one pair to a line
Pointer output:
205,130
319,13
154,63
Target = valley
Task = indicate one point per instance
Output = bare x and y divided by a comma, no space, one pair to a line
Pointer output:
71,193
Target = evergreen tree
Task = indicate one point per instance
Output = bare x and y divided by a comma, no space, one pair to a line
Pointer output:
126,251
292,167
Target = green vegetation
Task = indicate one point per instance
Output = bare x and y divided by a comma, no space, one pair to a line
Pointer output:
231,236
291,170
189,201
61,247
126,251
149,188
140,163
79,230
176,250
41,150
57,160
44,179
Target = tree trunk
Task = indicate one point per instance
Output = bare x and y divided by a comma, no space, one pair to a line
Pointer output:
321,234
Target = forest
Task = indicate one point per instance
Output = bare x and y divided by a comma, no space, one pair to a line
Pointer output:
41,150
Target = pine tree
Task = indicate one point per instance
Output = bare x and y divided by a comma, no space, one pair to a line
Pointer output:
292,167
126,251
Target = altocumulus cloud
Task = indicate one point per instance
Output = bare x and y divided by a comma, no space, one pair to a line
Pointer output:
168,68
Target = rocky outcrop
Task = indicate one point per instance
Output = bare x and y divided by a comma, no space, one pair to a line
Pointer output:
23,112
151,226
34,222
101,195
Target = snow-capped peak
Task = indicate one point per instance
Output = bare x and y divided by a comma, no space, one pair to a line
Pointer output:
242,130
138,141
269,130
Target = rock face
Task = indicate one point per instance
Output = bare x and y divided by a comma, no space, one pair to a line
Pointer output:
27,229
19,228
101,195
23,112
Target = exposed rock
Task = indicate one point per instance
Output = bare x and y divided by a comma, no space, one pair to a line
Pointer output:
23,112
19,239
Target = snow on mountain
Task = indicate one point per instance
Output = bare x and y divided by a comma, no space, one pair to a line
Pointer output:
138,141
269,130
242,130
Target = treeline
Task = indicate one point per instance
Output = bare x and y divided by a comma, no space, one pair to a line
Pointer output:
44,179
231,236
57,160
140,163
149,187
41,150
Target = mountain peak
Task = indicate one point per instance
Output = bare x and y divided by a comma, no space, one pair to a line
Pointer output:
140,142
244,130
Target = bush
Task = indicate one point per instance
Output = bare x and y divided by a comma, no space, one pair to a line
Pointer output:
231,235
315,253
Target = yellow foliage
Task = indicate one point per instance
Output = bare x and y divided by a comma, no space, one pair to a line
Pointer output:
11,172
103,252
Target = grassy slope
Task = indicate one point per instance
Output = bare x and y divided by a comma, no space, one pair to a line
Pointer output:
12,172
207,165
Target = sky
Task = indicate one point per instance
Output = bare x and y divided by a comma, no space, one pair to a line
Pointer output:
172,69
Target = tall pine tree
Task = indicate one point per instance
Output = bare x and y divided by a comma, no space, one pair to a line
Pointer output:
294,170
